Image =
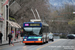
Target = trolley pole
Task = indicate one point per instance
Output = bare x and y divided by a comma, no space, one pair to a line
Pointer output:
33,13
37,13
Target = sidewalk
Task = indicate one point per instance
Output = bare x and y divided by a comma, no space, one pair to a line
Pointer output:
6,42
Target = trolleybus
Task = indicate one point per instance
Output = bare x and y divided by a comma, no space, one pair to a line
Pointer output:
35,32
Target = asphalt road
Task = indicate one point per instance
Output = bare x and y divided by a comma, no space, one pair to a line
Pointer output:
58,44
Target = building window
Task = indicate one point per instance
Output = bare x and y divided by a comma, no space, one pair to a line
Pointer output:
7,12
6,30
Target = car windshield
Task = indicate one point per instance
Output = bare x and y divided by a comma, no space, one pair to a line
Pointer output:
70,34
32,30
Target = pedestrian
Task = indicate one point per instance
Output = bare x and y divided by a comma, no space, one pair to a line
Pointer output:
10,38
17,35
1,37
21,36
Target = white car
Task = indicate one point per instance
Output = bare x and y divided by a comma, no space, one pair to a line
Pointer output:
51,37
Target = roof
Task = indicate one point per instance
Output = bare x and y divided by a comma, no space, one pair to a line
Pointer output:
14,24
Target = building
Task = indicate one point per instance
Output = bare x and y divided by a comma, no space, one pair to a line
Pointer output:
3,19
6,26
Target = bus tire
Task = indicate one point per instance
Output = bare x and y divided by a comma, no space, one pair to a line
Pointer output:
26,43
52,40
46,41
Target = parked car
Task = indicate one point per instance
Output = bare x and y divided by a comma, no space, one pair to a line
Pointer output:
71,36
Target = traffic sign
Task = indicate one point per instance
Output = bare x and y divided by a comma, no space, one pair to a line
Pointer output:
12,31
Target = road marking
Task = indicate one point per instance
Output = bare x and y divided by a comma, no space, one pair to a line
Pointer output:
47,45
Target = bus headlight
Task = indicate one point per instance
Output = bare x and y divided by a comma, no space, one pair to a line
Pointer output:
25,39
39,39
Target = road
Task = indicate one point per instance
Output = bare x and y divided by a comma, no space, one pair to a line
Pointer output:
58,44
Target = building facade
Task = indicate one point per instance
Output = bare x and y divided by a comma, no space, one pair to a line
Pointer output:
6,26
3,19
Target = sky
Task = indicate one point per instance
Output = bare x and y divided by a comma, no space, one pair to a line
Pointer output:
61,2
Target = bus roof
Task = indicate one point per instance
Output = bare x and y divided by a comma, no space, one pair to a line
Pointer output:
45,24
32,22
41,23
35,20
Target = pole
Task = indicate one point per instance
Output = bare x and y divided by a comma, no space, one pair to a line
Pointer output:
33,13
37,13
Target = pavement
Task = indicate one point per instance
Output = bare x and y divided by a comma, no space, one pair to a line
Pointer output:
58,44
6,42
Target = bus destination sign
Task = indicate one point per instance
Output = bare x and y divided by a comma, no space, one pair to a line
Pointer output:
32,24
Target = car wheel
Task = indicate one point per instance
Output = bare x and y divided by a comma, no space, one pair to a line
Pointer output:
52,40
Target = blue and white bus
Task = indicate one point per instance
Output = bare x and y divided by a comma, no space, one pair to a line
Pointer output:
35,32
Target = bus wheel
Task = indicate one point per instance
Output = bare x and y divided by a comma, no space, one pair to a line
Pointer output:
52,40
26,43
46,41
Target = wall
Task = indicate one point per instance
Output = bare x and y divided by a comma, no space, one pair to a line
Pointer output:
3,23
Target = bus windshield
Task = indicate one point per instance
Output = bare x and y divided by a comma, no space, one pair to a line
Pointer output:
32,30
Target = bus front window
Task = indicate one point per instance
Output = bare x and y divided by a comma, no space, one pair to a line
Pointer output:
36,30
32,30
28,29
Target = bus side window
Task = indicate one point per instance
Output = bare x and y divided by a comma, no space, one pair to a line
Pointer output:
40,32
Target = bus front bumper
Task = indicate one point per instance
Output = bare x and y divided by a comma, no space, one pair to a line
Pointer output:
32,42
